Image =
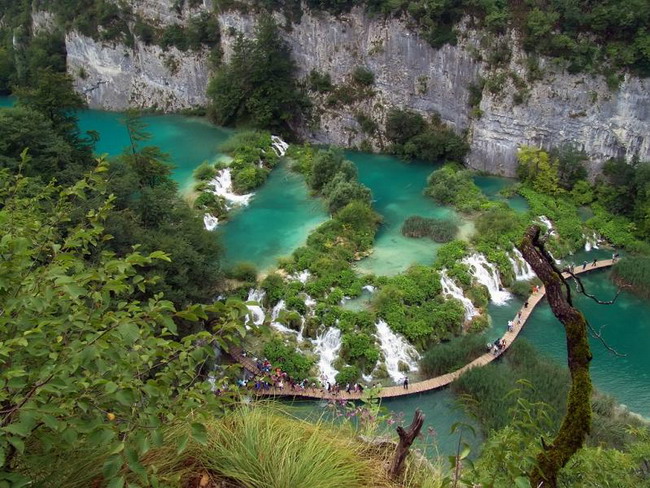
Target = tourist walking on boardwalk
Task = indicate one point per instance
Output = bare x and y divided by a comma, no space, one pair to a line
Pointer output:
593,265
406,383
584,265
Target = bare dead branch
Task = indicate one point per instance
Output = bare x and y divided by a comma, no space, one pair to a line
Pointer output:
599,335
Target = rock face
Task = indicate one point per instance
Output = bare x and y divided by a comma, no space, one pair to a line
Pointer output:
408,73
560,108
115,77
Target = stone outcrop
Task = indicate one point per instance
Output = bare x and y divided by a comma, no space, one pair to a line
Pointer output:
560,108
116,77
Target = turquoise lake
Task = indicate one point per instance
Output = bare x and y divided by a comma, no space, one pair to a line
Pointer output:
282,213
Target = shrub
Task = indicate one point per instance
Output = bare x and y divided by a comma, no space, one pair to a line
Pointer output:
348,374
319,82
363,76
243,271
204,172
295,364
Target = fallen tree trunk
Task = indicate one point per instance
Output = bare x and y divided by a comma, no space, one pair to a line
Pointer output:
577,421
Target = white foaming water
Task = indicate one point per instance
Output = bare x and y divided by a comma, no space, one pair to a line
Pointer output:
545,220
522,269
279,146
592,242
303,276
449,287
486,273
275,313
222,186
210,221
369,288
327,346
256,311
396,350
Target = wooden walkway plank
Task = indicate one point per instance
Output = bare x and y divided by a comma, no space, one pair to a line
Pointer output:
425,385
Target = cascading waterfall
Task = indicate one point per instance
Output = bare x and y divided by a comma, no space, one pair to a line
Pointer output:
279,146
327,346
546,221
275,313
369,288
303,276
222,186
592,242
210,221
256,311
522,269
396,350
449,287
487,274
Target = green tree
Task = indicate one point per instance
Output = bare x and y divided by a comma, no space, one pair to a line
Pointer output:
257,87
82,363
537,168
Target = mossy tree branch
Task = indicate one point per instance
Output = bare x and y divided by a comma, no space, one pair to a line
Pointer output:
577,421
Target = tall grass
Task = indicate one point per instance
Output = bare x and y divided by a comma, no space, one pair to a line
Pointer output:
450,356
260,449
634,272
436,229
488,391
255,446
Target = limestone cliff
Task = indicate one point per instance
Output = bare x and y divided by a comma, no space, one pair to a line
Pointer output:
116,77
409,73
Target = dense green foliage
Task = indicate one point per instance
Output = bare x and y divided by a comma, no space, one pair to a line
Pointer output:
556,187
450,356
146,208
253,158
412,305
412,137
633,272
257,88
335,179
451,185
437,229
293,363
83,361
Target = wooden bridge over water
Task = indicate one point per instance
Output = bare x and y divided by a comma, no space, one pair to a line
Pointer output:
431,383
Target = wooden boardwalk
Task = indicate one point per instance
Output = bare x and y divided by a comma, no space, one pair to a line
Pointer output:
425,385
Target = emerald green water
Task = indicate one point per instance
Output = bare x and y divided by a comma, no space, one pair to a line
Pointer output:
282,214
397,190
276,222
188,140
627,329
492,185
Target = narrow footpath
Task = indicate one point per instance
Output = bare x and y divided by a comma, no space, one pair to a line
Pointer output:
432,383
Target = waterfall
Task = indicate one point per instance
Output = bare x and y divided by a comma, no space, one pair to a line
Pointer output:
545,220
522,269
452,289
486,273
369,288
279,146
275,313
222,184
327,346
592,242
396,349
303,276
210,221
256,311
